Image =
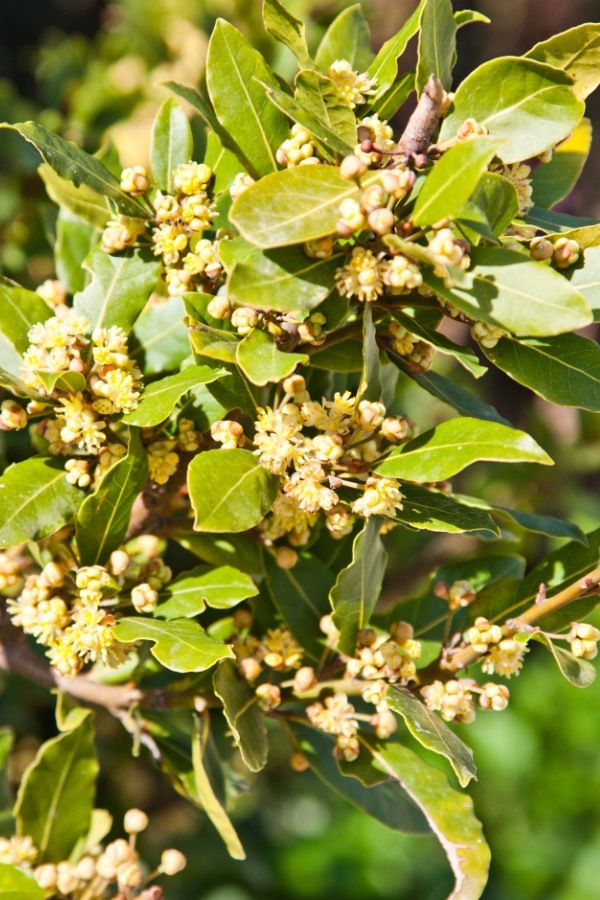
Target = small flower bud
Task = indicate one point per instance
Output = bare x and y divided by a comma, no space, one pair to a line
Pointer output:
566,253
460,594
384,723
46,876
129,875
240,183
229,434
541,248
381,221
134,181
135,821
144,598
370,414
396,428
494,696
86,868
249,668
351,217
268,696
398,182
346,749
352,167
12,416
304,680
119,562
286,558
219,307
244,319
402,632
172,862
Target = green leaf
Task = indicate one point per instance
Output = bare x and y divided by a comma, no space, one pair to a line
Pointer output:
62,381
346,38
357,589
579,672
321,109
385,66
188,595
385,801
104,516
258,357
119,288
530,521
437,43
463,355
435,511
452,446
56,796
370,387
284,280
243,716
233,72
554,180
344,356
293,206
450,392
585,278
235,549
71,162
7,738
209,118
576,52
229,490
206,761
564,369
550,221
75,240
466,16
161,338
171,144
81,201
216,344
507,288
432,732
301,594
158,399
388,104
20,310
498,199
16,884
181,645
284,27
35,500
452,181
448,812
529,104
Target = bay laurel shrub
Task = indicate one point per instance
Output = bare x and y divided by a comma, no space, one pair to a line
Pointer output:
215,368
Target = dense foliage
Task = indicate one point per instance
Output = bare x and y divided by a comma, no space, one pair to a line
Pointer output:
217,368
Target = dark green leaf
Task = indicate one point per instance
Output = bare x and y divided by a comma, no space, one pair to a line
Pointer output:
284,27
344,356
82,201
432,732
181,645
103,518
243,716
119,288
229,490
463,355
549,220
436,511
223,550
35,500
171,143
56,796
498,199
158,399
437,43
71,162
258,357
529,104
188,595
357,589
347,38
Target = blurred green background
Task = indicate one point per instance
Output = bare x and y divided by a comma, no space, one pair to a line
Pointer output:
86,68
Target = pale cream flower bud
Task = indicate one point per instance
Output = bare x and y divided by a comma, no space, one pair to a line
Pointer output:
381,221
219,307
144,598
129,875
566,253
384,723
135,821
286,558
53,292
12,416
172,862
119,562
541,248
351,217
86,868
46,876
396,428
304,680
370,414
244,319
352,167
268,696
494,696
135,181
229,434
249,668
294,384
67,880
240,183
346,748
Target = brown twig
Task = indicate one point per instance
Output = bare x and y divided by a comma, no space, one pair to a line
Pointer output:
421,126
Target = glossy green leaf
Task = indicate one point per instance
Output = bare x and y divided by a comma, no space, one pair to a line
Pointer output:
437,43
71,162
432,732
448,391
452,181
56,796
564,369
507,288
81,201
343,356
16,884
448,812
243,715
321,109
20,310
357,589
549,220
161,340
103,518
498,199
301,594
294,206
585,278
388,104
35,500
576,52
181,645
579,672
258,357
216,344
62,381
229,490
347,38
385,66
463,355
158,399
384,801
75,239
554,180
540,524
171,143
119,288
284,280
466,16
529,104
370,387
435,511
452,446
237,550
233,72
287,29
188,594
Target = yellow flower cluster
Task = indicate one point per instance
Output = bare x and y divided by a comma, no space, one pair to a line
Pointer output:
390,657
277,648
354,87
298,150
